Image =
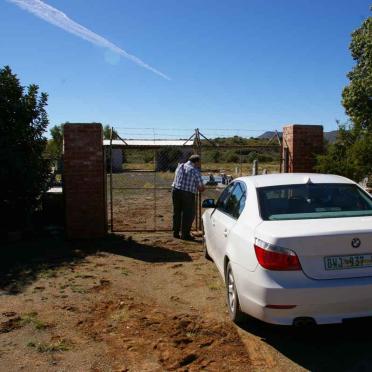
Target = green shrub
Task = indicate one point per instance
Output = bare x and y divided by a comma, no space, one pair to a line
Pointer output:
24,171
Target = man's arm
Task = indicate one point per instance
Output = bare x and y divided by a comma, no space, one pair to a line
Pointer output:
199,181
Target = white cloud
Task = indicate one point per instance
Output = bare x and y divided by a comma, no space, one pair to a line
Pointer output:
60,19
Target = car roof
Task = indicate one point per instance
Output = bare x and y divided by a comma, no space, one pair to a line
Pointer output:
293,179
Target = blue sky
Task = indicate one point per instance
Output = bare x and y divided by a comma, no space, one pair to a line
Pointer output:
251,65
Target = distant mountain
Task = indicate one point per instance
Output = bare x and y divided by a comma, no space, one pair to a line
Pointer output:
328,136
268,135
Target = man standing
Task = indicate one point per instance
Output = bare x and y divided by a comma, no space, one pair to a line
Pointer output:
187,182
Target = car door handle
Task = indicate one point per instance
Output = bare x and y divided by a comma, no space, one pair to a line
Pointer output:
225,233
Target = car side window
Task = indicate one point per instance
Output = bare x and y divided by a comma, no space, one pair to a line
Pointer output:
241,205
232,202
236,201
222,200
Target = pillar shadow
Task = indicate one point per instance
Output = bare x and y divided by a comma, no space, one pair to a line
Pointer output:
24,262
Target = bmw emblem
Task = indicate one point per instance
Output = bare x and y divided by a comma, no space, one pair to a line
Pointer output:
355,243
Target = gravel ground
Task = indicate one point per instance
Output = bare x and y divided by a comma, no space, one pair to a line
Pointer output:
146,302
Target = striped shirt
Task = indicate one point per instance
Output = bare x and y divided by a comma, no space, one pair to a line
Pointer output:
187,178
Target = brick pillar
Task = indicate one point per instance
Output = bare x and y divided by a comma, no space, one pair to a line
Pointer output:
302,143
84,181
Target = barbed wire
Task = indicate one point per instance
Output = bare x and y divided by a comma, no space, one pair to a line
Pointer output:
192,129
178,133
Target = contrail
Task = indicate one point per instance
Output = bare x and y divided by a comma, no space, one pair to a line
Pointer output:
60,19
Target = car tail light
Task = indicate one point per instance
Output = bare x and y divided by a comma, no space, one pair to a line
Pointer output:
272,257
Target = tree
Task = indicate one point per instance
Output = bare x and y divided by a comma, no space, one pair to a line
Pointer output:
107,133
215,156
54,146
357,96
106,136
168,158
24,172
351,154
231,156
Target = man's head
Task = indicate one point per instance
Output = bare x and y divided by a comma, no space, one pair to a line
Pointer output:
195,159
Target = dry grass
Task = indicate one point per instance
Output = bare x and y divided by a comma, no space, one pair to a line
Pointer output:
231,168
31,318
44,347
237,170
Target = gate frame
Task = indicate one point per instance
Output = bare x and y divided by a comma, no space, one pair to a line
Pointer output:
124,144
197,137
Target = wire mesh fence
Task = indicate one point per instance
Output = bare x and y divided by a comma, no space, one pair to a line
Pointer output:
141,172
141,192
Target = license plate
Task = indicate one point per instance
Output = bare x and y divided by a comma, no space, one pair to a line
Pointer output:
348,262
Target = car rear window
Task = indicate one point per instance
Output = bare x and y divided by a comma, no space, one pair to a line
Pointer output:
309,201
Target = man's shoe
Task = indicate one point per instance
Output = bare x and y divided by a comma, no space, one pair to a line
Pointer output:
176,235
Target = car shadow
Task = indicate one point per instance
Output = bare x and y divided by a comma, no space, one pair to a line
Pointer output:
338,347
22,263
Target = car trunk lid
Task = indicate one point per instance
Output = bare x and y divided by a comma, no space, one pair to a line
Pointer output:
327,248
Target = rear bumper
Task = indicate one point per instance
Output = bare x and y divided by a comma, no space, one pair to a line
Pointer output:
326,301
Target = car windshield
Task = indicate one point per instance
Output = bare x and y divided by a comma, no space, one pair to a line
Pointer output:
309,201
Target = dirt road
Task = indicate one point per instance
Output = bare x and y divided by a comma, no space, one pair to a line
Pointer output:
146,303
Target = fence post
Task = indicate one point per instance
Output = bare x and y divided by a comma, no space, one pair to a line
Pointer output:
255,167
285,159
111,192
154,191
198,195
241,162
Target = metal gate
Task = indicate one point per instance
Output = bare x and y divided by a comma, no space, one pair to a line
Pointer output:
141,172
140,195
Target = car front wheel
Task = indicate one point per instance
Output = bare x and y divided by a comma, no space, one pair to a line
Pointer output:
233,305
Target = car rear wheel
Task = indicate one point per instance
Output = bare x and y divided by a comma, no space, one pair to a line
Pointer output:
233,305
205,249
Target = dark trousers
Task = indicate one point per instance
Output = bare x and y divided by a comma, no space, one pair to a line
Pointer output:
183,211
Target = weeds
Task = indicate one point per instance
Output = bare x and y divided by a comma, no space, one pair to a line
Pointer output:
43,347
214,286
31,318
77,289
84,276
192,334
47,273
148,185
120,316
125,271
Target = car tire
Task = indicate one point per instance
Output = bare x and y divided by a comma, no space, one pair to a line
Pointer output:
205,249
233,305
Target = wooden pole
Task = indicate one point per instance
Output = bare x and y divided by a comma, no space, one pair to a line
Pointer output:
111,193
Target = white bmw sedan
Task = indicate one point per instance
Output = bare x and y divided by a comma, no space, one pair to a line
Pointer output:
293,248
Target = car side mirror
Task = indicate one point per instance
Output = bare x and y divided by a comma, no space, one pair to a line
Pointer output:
208,203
